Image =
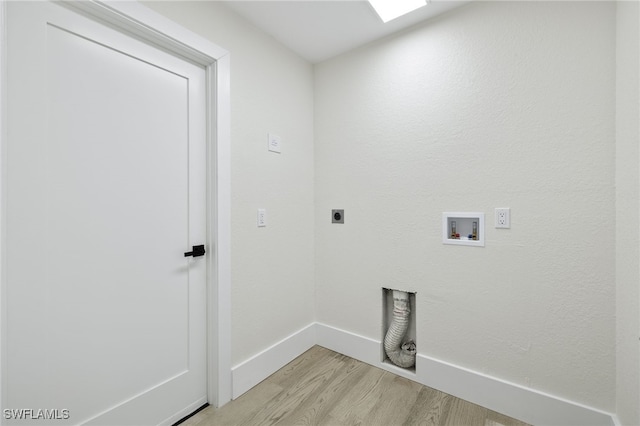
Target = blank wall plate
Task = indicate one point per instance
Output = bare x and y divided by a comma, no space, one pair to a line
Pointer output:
503,217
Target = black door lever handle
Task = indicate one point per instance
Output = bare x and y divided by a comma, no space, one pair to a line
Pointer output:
197,251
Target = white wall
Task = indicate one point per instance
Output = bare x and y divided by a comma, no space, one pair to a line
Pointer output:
628,208
496,104
271,91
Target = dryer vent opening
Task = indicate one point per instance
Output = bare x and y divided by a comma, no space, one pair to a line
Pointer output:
399,335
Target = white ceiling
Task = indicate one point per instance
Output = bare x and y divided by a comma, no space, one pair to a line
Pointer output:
320,29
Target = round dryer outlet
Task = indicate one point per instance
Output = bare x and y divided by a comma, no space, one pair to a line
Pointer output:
337,216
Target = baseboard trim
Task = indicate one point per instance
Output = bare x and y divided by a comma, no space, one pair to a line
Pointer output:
529,405
358,347
257,368
616,421
516,401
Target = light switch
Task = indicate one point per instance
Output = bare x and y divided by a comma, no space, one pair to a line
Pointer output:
262,218
275,143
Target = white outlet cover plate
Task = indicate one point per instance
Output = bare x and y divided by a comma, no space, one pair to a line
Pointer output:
275,143
503,218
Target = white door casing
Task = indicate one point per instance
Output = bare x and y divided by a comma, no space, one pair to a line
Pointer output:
156,30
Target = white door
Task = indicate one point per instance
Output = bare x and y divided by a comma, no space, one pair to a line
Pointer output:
105,192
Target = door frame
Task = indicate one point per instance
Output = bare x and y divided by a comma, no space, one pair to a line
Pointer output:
136,19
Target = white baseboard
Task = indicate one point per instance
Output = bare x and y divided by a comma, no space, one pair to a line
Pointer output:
357,347
257,368
531,406
616,421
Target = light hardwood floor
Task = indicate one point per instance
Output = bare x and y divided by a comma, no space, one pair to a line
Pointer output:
322,387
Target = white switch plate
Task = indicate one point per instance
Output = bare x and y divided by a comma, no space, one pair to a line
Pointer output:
262,218
503,217
275,143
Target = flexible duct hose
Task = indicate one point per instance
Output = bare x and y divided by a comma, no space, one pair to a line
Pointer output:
402,355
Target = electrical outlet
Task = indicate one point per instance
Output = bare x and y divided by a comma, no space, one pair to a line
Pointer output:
262,218
337,216
503,217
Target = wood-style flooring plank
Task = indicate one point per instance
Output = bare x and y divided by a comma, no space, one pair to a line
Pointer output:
465,413
324,388
363,397
395,404
430,408
276,410
315,410
290,373
497,419
236,411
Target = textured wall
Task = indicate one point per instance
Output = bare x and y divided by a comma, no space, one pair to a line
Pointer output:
271,91
496,104
628,207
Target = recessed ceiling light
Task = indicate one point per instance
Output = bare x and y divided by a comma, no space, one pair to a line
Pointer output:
391,9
